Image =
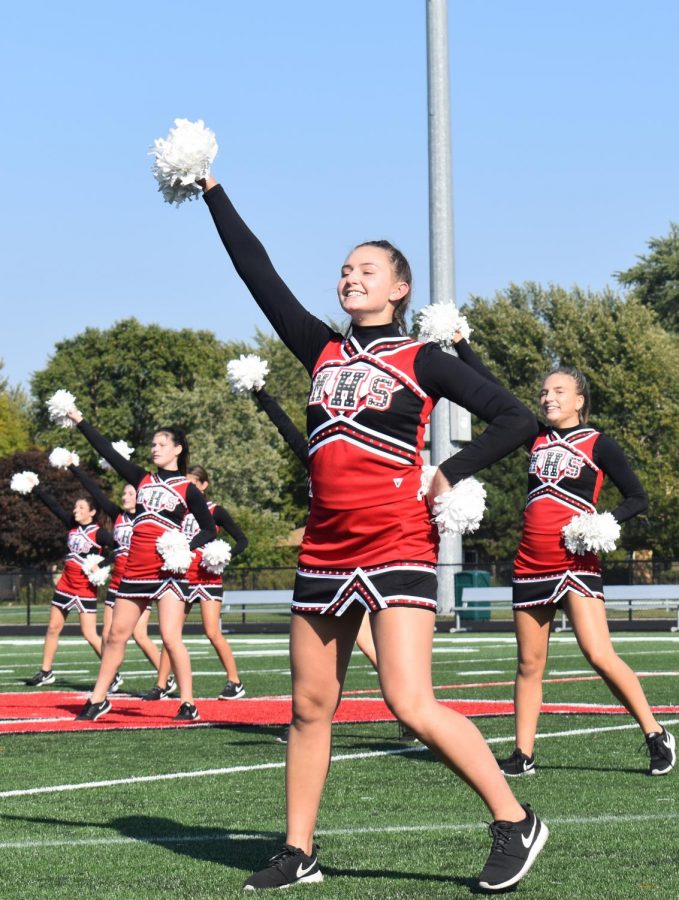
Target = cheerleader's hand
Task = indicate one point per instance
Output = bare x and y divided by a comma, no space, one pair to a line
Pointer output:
75,415
439,484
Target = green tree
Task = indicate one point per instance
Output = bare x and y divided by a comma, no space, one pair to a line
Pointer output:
632,365
14,422
655,278
118,374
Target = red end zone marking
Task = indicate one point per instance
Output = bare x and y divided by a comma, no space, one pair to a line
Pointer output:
56,711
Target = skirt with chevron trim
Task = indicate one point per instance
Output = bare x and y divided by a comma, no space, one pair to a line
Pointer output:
544,572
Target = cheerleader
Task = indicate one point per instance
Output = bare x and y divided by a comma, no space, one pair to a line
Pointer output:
568,462
163,499
205,585
75,588
370,542
122,518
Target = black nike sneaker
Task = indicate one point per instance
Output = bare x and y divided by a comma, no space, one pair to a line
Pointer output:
290,866
515,849
93,711
41,678
662,750
517,764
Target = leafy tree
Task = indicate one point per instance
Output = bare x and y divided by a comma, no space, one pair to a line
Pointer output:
655,278
14,423
632,365
118,374
30,535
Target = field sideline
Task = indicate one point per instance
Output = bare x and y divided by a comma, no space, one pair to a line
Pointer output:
189,812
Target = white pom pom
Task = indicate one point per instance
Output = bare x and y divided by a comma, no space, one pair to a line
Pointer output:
96,573
175,550
246,373
24,482
121,447
216,556
61,458
426,478
438,322
592,532
59,405
461,509
183,156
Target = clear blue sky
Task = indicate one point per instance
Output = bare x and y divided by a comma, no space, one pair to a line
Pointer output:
565,136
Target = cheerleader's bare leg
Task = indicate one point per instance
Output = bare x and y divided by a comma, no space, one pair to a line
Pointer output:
210,611
106,625
365,642
126,614
588,618
320,650
88,627
403,638
171,618
532,639
55,626
143,641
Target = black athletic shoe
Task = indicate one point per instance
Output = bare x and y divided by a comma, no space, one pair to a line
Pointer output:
41,678
517,764
116,684
290,866
282,738
93,711
187,713
515,849
160,693
233,690
662,750
170,687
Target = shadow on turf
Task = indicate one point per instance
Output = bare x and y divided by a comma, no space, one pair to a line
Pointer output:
245,850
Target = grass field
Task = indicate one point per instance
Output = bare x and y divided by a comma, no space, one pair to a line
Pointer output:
195,810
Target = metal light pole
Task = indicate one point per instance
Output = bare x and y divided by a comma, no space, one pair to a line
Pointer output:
449,423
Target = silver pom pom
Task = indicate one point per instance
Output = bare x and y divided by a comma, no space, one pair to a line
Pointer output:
61,458
247,373
24,482
185,155
461,509
438,322
591,532
121,447
96,573
58,406
175,550
216,556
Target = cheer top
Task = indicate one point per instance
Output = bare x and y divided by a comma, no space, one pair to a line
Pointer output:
371,392
81,542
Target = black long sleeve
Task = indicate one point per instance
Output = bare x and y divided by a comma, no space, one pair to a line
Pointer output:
610,457
224,520
301,332
130,471
284,424
54,506
510,422
105,503
470,358
197,505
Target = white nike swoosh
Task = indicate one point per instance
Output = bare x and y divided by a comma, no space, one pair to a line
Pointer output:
529,840
301,871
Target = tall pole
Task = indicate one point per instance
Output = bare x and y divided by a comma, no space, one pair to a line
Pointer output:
449,423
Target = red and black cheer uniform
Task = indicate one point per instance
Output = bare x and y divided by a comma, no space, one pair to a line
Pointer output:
205,585
565,473
122,530
369,539
163,499
74,590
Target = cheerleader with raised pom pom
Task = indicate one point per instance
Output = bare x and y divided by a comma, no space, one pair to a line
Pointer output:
83,572
158,559
557,563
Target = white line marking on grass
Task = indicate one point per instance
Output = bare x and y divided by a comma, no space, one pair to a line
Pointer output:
327,832
340,757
